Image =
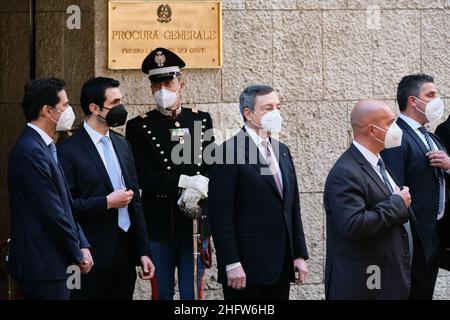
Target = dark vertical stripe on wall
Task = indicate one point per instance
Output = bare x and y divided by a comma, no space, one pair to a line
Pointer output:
32,39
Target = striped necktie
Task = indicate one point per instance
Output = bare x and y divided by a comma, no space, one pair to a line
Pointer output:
438,171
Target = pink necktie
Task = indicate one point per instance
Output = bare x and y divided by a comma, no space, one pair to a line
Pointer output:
272,167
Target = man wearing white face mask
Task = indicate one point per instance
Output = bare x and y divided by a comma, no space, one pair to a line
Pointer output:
254,207
370,230
168,146
422,163
45,237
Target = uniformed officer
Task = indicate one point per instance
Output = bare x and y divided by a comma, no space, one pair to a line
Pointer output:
168,144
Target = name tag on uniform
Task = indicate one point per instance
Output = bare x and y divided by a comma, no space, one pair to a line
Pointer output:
179,132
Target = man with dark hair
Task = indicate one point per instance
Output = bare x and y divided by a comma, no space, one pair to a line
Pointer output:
254,206
410,86
101,174
169,144
422,164
45,237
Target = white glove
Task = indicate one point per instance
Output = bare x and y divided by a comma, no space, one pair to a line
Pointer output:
198,182
188,203
190,197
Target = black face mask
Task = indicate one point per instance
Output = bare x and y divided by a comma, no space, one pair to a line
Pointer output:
116,117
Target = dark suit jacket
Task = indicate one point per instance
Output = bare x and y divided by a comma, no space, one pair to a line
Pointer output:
443,132
45,237
90,184
250,222
364,228
411,168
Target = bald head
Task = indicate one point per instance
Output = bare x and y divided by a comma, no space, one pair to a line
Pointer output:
368,112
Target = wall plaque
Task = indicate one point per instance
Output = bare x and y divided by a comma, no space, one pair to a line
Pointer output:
191,29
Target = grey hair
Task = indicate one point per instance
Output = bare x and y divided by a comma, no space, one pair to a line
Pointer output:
248,96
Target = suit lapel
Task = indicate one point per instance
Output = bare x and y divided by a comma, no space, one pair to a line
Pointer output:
367,167
438,142
36,136
254,158
410,131
419,141
56,166
92,152
412,217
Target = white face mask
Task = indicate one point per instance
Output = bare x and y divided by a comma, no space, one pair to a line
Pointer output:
434,109
165,98
272,121
393,136
66,119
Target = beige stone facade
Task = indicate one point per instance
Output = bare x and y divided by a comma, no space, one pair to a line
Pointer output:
320,56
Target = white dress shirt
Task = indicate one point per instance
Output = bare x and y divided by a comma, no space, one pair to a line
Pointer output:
258,141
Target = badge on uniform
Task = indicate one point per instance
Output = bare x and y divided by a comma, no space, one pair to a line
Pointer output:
180,133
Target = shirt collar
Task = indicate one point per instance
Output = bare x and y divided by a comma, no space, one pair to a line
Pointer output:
255,137
369,155
168,112
42,133
95,136
411,122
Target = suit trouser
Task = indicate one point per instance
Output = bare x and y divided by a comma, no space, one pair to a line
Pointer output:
277,291
114,283
423,280
44,290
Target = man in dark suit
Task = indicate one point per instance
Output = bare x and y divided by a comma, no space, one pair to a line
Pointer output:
370,245
422,164
45,237
101,174
443,132
254,208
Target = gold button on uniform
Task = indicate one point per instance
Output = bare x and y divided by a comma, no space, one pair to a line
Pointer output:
177,124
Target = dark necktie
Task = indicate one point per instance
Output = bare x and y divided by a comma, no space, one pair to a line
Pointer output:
406,225
438,171
384,174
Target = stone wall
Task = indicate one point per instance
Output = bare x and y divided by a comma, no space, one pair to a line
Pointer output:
14,71
321,56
